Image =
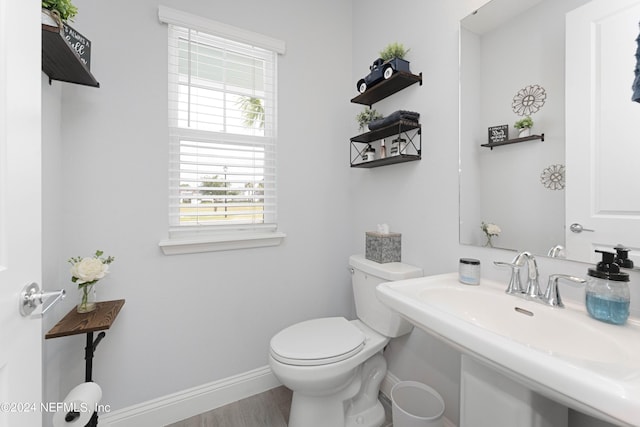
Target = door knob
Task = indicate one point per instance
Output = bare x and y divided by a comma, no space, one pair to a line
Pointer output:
31,296
578,228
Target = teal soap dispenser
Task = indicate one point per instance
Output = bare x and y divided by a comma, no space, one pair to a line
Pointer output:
607,293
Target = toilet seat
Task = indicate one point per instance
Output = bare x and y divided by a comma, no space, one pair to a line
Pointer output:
317,342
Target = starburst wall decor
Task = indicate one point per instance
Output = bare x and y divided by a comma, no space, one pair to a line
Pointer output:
529,100
553,177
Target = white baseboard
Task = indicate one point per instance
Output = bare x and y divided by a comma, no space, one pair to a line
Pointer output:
387,384
187,403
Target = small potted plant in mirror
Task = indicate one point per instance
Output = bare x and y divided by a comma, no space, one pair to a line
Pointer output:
524,127
366,116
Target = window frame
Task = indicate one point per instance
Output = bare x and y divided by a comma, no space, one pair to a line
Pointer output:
184,239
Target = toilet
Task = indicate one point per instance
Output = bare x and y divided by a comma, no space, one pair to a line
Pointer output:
334,366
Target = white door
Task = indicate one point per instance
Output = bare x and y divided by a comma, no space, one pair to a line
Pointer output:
20,216
603,139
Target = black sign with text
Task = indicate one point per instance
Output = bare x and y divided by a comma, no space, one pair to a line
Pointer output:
498,133
79,43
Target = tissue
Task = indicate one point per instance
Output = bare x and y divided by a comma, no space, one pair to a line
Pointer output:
79,405
383,228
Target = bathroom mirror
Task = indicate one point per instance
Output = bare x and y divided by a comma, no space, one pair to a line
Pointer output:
537,58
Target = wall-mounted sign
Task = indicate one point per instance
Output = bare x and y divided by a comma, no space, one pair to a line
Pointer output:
498,133
79,43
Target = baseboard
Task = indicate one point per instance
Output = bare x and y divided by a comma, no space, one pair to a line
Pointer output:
187,403
387,384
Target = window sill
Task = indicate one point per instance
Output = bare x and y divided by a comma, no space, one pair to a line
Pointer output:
226,242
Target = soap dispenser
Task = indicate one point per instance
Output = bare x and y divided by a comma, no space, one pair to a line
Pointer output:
622,257
607,293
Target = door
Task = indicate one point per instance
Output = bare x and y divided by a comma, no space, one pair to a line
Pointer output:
603,189
20,217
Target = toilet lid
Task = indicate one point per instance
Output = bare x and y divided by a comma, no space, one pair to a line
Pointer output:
317,342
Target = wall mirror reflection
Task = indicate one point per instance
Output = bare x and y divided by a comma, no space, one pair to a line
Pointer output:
567,185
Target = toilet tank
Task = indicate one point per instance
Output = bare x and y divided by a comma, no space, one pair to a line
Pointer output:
365,276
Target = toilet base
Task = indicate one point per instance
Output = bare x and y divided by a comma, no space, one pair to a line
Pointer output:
372,417
356,405
330,412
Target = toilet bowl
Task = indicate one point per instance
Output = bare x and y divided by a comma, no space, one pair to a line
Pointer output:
334,366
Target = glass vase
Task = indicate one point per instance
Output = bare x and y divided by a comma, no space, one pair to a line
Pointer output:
87,301
489,243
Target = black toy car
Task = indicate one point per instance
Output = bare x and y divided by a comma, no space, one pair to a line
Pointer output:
381,70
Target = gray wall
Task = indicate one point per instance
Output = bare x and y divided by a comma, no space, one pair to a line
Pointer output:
192,319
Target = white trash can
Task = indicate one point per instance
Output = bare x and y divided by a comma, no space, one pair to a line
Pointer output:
416,405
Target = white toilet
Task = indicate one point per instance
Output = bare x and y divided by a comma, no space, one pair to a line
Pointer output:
334,366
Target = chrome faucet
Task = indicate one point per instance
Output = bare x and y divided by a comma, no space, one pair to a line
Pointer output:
532,291
556,252
515,284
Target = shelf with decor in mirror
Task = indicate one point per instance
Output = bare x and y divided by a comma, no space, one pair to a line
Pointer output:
514,141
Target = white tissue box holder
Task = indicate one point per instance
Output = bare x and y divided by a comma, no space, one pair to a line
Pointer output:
383,248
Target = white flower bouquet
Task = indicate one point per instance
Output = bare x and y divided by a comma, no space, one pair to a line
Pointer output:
86,272
490,230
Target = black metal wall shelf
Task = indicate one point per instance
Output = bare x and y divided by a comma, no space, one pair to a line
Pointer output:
412,151
400,158
387,131
514,141
60,61
398,81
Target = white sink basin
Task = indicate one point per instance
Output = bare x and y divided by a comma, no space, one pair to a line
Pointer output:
559,352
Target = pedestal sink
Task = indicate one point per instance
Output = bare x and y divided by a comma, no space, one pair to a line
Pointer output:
560,353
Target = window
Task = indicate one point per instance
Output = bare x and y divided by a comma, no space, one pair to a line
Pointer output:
222,136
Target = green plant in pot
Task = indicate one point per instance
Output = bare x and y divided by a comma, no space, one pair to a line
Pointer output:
524,126
62,8
366,116
393,50
393,56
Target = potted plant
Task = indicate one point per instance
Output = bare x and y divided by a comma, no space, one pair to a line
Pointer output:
393,50
394,54
390,61
366,116
63,9
524,126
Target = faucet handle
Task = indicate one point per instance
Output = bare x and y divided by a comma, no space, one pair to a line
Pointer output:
552,294
515,287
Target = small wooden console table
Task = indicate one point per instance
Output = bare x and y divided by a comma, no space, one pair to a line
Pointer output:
75,323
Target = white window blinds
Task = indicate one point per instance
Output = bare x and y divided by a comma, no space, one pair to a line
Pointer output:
222,104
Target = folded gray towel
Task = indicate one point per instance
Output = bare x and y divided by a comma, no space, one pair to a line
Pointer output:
411,116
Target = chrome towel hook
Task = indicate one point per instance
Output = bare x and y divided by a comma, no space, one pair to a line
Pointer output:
31,296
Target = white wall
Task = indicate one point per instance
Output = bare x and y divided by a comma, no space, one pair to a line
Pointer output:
192,319
418,199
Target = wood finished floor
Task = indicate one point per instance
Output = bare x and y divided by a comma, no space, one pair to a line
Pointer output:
268,409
